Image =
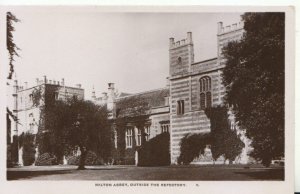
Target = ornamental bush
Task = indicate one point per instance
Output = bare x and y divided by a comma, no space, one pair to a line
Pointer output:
73,160
91,159
46,159
155,152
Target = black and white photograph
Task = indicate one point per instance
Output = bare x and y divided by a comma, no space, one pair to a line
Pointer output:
147,98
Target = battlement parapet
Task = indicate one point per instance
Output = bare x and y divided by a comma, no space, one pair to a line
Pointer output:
229,28
186,41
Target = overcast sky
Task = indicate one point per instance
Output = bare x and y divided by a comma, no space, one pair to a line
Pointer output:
90,47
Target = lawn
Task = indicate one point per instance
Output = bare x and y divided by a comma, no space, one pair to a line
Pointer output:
189,172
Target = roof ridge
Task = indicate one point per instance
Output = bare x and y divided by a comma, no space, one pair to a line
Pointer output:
130,95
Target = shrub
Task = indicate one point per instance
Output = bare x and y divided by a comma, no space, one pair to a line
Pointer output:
73,160
9,163
191,146
155,152
225,140
46,159
91,159
27,142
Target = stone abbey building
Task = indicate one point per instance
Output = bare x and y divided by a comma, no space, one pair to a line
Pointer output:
179,107
28,113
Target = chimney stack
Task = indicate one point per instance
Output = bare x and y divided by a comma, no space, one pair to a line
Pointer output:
45,79
93,94
37,81
111,98
26,85
78,85
111,86
63,82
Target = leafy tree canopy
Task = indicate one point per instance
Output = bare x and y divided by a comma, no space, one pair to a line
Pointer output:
68,125
10,44
254,77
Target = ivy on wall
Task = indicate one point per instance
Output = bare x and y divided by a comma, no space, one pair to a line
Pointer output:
26,141
224,141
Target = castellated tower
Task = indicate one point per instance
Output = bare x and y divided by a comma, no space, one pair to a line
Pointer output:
195,86
226,34
181,55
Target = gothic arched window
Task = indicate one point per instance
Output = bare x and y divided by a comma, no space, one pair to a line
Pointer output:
205,92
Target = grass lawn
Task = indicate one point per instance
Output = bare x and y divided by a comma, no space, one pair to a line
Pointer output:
189,172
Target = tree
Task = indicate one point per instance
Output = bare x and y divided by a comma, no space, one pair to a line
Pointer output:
12,50
254,77
225,141
53,114
10,45
67,125
87,128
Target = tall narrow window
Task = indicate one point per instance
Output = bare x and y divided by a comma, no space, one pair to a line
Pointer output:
129,138
139,137
30,97
205,92
165,127
202,100
208,99
147,133
180,107
116,138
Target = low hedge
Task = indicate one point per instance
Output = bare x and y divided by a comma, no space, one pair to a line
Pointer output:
46,159
91,159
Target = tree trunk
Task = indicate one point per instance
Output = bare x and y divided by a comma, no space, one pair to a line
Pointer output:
82,158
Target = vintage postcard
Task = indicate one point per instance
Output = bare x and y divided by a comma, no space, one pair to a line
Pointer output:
147,99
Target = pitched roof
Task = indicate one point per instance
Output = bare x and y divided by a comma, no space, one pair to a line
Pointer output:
123,94
141,103
154,98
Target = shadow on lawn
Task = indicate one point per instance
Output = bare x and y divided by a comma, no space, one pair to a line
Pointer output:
27,174
15,175
269,174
